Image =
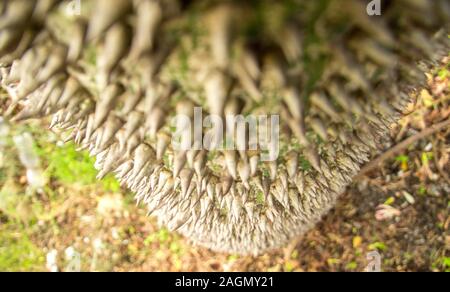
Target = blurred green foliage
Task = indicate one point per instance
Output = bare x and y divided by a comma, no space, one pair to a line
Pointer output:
69,166
18,253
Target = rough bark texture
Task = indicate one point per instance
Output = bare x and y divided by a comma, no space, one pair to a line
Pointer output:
115,74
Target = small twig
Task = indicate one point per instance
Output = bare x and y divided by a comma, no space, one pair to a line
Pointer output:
401,146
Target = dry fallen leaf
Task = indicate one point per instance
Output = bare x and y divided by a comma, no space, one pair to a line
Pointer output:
386,212
357,240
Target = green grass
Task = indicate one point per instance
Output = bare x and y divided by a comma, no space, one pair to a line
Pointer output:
61,163
352,266
402,158
442,264
380,246
18,253
69,166
446,263
18,210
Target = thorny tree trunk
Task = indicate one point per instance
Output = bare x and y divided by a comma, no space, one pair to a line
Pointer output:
114,75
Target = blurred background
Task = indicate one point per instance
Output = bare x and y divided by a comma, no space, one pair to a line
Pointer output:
56,216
